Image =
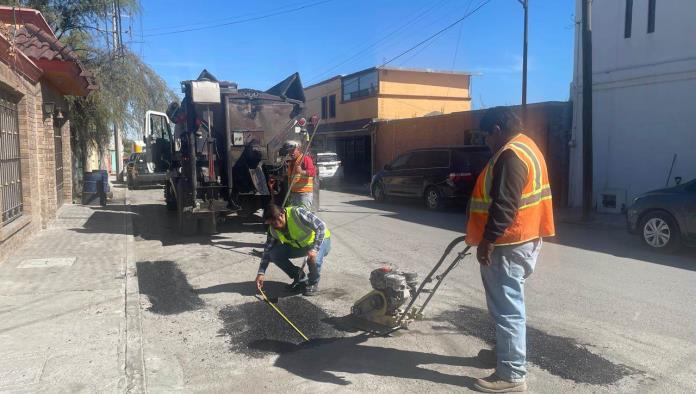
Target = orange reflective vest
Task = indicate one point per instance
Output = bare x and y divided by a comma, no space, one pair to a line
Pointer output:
534,217
300,183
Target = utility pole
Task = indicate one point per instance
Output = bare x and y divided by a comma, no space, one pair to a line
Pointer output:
525,5
587,155
116,34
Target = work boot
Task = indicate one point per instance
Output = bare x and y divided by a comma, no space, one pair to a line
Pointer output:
487,358
494,384
311,290
298,282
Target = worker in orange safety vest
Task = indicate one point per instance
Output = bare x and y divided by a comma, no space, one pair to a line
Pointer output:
301,173
510,211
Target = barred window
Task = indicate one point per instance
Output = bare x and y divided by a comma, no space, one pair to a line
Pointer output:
10,173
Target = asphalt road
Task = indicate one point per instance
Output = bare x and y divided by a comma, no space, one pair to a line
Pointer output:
604,315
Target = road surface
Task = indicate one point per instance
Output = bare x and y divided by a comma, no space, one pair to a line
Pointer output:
604,315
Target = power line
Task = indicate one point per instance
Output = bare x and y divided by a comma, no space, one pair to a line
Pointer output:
266,16
410,22
217,20
437,34
467,15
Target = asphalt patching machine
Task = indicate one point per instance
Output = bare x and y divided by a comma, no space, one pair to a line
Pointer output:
390,305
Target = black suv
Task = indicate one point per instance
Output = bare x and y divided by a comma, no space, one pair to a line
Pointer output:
435,175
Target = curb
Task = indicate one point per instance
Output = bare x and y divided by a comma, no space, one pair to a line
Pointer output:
132,360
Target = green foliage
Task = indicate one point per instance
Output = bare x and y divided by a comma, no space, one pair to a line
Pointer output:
126,87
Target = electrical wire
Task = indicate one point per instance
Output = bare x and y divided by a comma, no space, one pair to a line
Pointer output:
422,42
265,16
410,22
451,25
217,20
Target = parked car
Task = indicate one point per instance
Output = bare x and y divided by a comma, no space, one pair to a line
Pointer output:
435,175
139,173
329,167
665,219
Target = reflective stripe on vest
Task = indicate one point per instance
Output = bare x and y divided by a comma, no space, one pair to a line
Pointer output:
300,183
298,235
534,217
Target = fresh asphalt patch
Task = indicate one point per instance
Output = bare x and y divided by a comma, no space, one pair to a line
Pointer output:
560,356
167,288
255,329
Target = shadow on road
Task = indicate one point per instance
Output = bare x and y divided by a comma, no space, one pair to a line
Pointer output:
167,288
558,355
619,243
154,222
450,218
248,289
324,360
255,330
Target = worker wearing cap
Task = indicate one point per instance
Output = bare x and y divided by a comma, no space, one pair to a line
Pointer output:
301,173
294,232
510,211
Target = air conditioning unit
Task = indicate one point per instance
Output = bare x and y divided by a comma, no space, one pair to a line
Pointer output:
612,201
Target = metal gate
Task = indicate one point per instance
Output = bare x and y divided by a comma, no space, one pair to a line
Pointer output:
10,172
58,144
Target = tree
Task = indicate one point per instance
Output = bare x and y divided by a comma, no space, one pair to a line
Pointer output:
127,87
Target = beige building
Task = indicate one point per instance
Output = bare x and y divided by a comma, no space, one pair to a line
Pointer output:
349,105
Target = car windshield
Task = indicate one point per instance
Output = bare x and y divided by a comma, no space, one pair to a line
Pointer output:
327,157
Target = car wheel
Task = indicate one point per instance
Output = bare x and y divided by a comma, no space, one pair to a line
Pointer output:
378,192
433,198
659,231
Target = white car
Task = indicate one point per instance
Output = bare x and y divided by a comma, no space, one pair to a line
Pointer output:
330,170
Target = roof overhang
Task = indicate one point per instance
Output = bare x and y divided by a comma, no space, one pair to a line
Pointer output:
18,61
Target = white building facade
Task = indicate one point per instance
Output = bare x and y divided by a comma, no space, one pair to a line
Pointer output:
644,104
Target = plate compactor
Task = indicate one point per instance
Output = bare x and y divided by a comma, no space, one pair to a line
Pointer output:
392,289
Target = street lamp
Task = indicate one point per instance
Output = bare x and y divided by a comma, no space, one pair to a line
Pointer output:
525,5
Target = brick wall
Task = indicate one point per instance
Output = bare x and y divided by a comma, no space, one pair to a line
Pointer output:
547,123
37,160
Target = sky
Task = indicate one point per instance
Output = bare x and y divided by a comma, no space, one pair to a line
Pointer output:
330,37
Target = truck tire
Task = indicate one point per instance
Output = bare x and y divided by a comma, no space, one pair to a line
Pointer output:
169,197
186,223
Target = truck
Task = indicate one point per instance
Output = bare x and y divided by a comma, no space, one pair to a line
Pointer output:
222,157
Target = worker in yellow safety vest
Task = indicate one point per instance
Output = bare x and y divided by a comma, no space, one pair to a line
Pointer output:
295,232
510,211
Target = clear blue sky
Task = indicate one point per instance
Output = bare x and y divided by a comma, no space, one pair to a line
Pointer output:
315,40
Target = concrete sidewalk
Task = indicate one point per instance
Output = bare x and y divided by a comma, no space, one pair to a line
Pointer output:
68,306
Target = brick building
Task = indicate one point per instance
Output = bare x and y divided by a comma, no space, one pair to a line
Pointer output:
36,73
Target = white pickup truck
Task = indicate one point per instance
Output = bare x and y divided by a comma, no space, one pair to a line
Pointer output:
330,170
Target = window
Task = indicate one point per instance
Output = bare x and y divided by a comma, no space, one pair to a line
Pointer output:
467,160
651,16
159,127
429,159
327,157
11,201
400,162
363,85
332,106
691,186
323,107
629,18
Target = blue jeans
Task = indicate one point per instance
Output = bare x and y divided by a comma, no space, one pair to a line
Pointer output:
301,200
282,253
503,281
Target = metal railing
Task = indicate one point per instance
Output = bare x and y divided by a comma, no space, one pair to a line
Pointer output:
10,170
